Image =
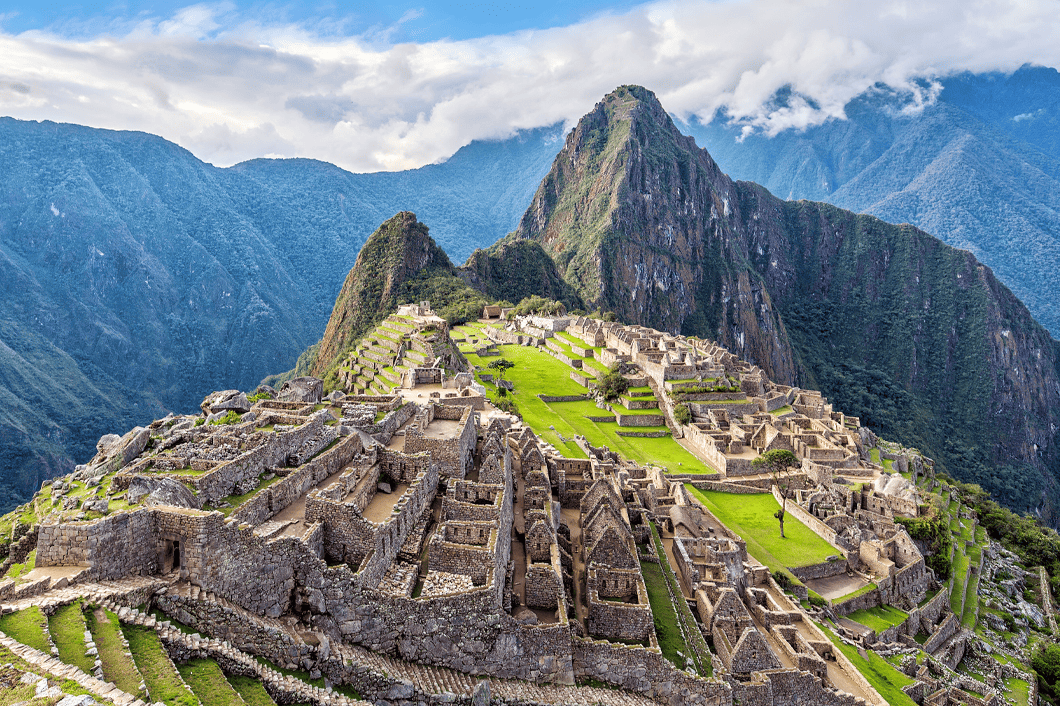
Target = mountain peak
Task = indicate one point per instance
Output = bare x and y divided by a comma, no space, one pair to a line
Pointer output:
397,252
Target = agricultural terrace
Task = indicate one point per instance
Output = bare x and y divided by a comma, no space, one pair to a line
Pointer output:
537,372
752,517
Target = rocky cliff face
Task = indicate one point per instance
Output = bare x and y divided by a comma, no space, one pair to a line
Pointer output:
916,337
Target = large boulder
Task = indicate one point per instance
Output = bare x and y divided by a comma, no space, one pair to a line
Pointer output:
225,401
115,453
306,389
161,491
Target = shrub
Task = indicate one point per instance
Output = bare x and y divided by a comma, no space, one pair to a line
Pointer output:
611,384
682,414
231,418
200,421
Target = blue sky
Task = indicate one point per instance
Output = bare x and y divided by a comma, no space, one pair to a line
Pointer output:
385,87
406,22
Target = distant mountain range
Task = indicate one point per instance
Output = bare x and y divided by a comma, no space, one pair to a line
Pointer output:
135,278
979,168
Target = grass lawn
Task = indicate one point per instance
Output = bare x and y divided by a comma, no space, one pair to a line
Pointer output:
879,618
117,667
29,627
208,682
251,690
781,410
1018,690
67,627
536,372
855,594
959,571
751,517
883,677
163,681
971,603
662,610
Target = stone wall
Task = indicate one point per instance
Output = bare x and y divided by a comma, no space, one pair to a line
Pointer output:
453,455
933,609
647,671
349,537
281,494
638,420
821,571
544,586
869,599
943,632
114,546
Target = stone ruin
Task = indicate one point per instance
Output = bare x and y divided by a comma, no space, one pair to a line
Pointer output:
328,533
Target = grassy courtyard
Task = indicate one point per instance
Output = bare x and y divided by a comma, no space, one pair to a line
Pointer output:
879,618
751,517
536,372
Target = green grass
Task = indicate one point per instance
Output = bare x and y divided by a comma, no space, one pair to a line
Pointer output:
163,681
25,567
971,603
208,683
67,628
883,677
251,690
662,610
781,410
751,517
536,372
879,618
854,594
1018,690
117,667
29,627
960,570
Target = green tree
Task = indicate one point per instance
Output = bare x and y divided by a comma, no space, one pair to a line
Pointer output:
612,384
774,463
501,365
682,414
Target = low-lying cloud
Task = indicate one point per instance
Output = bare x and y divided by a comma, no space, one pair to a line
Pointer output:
229,89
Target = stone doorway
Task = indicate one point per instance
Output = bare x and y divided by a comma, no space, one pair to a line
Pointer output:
171,558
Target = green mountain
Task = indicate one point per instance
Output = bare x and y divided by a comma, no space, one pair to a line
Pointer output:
978,168
135,279
400,263
917,338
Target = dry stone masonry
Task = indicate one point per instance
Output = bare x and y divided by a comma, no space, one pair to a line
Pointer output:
403,537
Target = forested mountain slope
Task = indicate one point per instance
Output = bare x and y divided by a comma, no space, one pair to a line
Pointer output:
979,168
917,338
136,278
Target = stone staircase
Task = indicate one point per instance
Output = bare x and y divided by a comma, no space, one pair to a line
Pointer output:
128,591
426,679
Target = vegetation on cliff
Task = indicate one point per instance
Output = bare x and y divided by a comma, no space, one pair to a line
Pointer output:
917,338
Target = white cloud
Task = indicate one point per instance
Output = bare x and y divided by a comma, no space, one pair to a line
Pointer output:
229,89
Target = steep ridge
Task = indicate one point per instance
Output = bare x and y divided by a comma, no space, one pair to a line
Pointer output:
979,168
512,269
398,264
917,338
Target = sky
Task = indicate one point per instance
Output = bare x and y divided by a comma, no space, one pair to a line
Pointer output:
385,86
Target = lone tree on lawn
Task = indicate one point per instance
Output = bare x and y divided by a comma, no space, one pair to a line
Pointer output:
501,365
776,462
